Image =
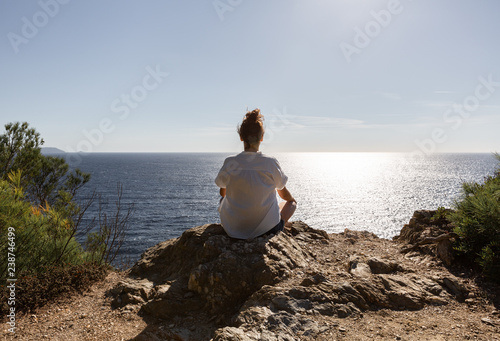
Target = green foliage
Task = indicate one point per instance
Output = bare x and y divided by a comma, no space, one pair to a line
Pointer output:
44,178
477,220
19,149
440,213
37,200
440,218
43,236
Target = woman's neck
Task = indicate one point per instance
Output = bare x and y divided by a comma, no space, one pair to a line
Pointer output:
252,148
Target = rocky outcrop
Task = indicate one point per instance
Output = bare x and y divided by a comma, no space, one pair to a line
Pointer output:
205,269
287,312
276,287
429,232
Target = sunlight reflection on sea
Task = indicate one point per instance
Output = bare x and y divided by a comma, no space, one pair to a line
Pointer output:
377,192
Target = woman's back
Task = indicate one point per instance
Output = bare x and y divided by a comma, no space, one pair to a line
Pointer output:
250,207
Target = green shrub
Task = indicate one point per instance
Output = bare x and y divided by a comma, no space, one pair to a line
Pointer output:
39,219
41,235
477,221
44,179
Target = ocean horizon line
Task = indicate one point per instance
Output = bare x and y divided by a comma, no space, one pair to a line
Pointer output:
270,152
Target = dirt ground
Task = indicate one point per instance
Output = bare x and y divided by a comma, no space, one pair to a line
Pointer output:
477,318
89,316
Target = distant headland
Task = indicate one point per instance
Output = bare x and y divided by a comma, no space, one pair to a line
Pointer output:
52,150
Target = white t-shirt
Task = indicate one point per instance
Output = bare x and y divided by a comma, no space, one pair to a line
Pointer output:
250,207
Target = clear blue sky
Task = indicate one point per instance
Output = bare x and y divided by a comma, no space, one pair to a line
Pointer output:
328,75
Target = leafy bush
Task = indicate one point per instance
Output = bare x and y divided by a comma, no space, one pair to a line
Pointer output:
477,220
44,179
42,235
37,200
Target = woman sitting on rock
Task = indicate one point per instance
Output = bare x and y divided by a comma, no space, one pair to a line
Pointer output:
248,183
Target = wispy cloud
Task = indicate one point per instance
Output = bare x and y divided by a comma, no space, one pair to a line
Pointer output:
215,130
300,121
443,92
328,122
389,95
491,106
277,122
451,104
434,104
484,120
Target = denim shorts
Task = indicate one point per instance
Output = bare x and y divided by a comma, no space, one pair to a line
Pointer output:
279,227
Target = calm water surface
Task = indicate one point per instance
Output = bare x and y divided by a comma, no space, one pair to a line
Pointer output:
377,192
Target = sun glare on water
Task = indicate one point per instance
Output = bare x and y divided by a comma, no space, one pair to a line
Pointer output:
337,188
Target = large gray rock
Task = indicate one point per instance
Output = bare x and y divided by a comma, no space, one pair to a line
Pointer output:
244,289
205,269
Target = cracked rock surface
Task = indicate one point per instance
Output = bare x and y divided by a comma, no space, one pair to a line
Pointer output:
289,286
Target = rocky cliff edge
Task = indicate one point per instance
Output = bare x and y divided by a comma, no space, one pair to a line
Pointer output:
290,286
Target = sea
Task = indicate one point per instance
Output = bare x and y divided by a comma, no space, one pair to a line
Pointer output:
376,192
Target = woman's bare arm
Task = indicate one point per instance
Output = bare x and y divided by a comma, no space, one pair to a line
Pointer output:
286,195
